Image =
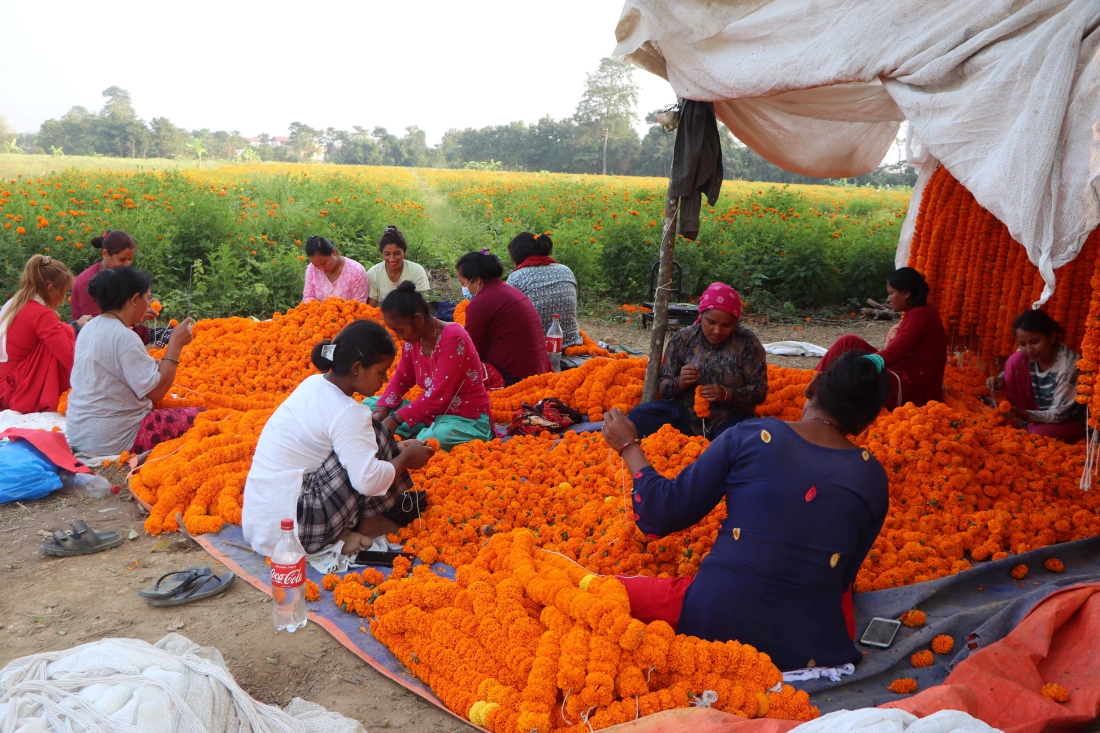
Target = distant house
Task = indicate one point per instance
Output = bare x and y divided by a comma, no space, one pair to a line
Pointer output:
273,142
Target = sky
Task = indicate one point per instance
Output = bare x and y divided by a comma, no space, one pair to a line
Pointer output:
256,67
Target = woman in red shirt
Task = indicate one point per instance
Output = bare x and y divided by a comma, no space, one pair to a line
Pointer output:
502,321
117,249
36,348
915,353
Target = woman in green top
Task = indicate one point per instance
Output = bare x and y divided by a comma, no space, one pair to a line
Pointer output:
394,269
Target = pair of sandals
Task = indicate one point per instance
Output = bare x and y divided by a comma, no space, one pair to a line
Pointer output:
184,586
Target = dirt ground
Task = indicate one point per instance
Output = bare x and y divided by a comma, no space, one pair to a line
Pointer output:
95,596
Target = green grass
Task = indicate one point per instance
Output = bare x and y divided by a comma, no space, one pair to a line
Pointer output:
13,165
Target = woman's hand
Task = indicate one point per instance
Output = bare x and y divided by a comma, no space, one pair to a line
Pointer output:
416,453
181,336
689,376
83,321
714,392
150,315
995,384
1021,415
380,414
617,429
391,424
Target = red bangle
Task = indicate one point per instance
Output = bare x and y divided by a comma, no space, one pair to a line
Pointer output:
628,444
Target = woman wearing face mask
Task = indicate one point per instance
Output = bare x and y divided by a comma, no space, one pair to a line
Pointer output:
501,321
117,249
331,275
719,358
323,461
394,268
36,349
1040,380
439,358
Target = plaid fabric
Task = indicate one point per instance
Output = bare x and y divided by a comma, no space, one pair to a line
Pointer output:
329,504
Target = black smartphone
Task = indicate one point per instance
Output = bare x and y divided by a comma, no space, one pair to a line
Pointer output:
379,558
880,632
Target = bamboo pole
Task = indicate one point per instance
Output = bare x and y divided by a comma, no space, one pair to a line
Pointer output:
661,298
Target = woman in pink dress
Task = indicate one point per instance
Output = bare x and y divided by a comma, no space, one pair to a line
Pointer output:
331,275
441,358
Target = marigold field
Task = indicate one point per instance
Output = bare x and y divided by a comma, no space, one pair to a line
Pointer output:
228,241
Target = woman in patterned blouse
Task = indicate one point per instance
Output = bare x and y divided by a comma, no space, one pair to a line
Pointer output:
331,275
552,287
718,357
441,359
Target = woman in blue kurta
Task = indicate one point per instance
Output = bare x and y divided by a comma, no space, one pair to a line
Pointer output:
804,505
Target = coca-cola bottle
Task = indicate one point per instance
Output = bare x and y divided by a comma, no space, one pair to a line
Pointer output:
288,580
554,338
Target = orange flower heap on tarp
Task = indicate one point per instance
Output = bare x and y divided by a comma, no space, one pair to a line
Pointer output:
589,347
527,640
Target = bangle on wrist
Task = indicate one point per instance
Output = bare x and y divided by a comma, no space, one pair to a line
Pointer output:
627,444
168,358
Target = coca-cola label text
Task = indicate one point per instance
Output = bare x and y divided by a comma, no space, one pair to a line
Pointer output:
288,576
553,344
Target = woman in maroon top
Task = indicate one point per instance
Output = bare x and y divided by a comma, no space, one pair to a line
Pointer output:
117,249
502,321
36,349
916,347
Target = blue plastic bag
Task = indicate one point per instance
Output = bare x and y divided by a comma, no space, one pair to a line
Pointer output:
25,473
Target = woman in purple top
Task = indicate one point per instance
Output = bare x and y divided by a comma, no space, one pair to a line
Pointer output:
804,506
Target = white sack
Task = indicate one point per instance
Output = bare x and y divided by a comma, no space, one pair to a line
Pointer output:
129,685
888,720
794,348
1006,94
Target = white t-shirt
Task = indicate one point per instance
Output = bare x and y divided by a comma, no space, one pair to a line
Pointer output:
317,419
112,375
381,285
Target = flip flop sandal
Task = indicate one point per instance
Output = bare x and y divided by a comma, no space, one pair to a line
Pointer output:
82,541
200,587
180,578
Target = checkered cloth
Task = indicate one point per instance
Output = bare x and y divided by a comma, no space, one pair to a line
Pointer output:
329,504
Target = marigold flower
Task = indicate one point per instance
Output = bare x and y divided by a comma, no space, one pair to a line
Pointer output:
943,644
913,618
1054,565
1019,572
1055,692
903,686
922,658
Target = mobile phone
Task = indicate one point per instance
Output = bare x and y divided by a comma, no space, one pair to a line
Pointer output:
880,632
378,558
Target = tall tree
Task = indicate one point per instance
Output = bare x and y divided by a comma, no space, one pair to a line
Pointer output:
607,106
119,106
304,141
167,140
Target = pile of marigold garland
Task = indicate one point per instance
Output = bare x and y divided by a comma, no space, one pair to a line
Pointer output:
526,640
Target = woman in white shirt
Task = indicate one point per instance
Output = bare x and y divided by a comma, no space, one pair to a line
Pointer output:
324,461
394,269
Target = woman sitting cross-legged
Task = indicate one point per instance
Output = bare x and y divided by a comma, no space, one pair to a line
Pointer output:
915,352
1040,380
550,285
36,349
502,321
115,381
804,506
717,357
441,359
322,459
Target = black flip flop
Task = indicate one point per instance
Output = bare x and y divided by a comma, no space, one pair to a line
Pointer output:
201,586
82,541
180,578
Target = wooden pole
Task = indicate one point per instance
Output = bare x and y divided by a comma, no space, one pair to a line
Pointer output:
661,298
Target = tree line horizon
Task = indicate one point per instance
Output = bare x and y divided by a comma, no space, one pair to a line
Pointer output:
599,138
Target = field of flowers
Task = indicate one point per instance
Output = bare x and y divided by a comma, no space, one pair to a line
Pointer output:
227,241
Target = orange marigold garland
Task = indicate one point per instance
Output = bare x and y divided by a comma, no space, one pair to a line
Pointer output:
702,404
943,644
527,640
1055,692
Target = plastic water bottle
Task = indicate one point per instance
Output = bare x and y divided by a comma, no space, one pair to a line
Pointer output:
88,484
554,338
288,580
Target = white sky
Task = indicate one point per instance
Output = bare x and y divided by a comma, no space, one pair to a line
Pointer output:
256,67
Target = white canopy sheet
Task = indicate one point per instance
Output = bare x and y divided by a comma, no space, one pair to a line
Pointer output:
1005,93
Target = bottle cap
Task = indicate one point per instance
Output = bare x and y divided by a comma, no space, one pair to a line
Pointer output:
556,315
287,524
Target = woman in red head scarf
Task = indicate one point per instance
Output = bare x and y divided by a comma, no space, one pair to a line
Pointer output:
717,358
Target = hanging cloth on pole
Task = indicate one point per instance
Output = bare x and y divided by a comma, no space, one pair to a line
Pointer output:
696,164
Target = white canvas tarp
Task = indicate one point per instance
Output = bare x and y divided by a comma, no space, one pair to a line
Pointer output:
1006,94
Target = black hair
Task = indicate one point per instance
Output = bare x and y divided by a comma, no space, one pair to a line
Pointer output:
393,235
319,245
110,289
366,342
476,264
1038,321
908,280
114,242
852,391
528,244
405,302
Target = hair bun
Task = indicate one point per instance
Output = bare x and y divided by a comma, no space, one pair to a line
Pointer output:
406,286
321,355
391,229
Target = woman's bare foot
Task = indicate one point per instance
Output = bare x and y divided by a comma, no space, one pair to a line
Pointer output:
353,542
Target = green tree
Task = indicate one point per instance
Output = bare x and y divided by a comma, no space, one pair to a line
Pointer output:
196,146
606,109
165,139
304,141
118,106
